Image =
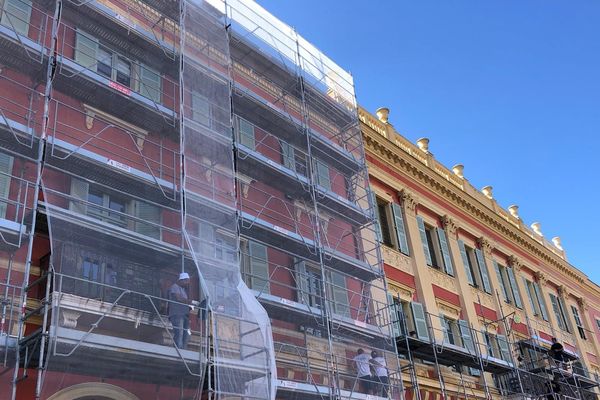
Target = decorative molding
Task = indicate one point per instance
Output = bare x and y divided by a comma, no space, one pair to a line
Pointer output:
402,291
245,182
540,277
485,299
409,202
397,260
583,303
404,162
515,263
561,290
443,280
449,309
68,318
486,246
449,224
137,133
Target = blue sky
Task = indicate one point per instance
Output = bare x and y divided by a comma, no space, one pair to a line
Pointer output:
509,88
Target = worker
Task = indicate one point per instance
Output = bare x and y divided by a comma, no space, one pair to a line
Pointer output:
380,374
362,364
179,310
557,352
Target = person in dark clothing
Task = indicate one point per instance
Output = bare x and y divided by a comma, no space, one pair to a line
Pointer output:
557,352
179,310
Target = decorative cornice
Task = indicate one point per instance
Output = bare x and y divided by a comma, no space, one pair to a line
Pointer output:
449,224
561,290
515,263
583,303
540,277
400,160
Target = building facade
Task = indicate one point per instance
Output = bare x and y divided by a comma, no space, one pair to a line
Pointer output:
478,294
146,141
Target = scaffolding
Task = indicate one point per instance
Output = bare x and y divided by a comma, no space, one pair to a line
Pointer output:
142,140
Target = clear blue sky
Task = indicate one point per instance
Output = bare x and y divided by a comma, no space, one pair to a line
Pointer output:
509,88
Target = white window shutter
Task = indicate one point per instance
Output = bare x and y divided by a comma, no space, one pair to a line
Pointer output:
86,50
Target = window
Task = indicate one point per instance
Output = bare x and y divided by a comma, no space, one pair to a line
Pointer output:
6,164
92,54
578,322
388,215
114,208
598,324
435,247
559,312
200,109
338,294
16,15
322,179
450,329
258,267
475,267
536,300
508,284
309,284
497,346
246,132
293,159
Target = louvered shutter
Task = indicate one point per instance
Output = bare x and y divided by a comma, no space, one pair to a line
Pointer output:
540,299
400,228
465,260
465,334
377,217
501,280
530,295
323,178
448,267
86,50
419,320
247,133
79,190
6,166
150,214
150,83
515,288
483,271
423,235
504,348
339,294
557,311
445,327
394,318
287,153
259,267
17,14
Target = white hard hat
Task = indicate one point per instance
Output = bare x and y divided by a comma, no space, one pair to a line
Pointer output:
184,275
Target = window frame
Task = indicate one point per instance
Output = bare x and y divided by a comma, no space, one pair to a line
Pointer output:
10,22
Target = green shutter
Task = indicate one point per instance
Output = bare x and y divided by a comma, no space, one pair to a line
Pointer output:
483,271
400,229
505,353
150,83
501,280
259,267
393,315
419,320
339,294
530,295
247,134
6,165
377,217
563,312
576,316
86,50
423,235
151,214
287,152
79,190
16,15
515,288
465,260
200,110
540,299
557,311
445,251
323,177
465,334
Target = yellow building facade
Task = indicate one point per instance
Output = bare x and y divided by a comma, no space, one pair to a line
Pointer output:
478,295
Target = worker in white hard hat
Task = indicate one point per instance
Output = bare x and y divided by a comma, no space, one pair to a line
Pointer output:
179,310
